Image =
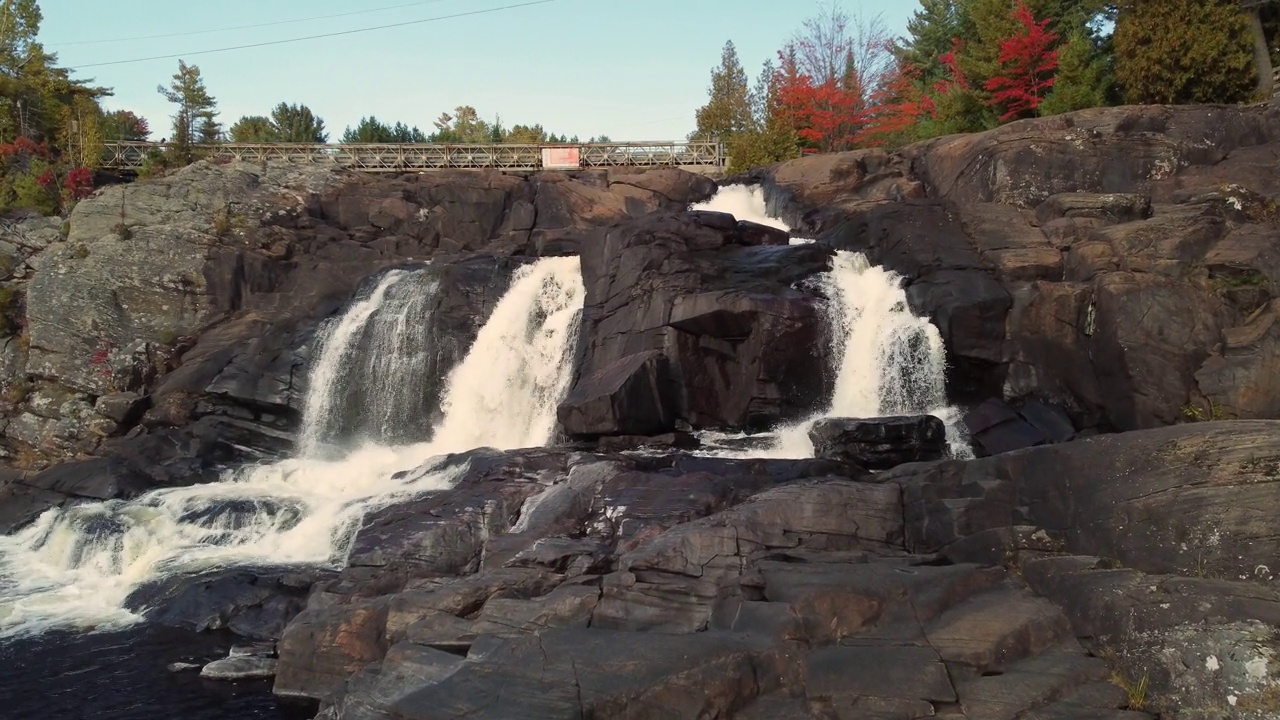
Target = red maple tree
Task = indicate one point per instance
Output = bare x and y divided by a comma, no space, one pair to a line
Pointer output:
78,183
1027,65
826,115
896,104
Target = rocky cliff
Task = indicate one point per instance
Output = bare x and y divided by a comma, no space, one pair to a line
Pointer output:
1121,261
1110,272
167,323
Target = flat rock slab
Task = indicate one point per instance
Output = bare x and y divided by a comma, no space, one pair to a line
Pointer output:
240,667
572,673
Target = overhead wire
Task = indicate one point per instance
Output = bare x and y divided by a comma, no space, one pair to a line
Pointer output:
339,33
245,27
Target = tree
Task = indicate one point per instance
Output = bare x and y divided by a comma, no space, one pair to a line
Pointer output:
254,129
1083,78
931,29
1027,63
1184,51
368,130
526,134
194,121
82,135
1261,49
463,126
771,138
296,123
371,130
49,124
120,125
728,109
209,131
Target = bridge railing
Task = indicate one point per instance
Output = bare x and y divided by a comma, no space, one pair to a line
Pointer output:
407,157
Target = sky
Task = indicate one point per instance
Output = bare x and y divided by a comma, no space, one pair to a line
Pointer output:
627,69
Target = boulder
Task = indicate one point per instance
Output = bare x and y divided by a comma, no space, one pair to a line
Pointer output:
880,443
632,396
723,310
24,498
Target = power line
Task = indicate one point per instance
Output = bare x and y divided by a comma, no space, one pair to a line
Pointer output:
317,37
246,27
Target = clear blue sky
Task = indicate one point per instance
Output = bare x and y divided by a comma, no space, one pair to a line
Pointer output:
632,70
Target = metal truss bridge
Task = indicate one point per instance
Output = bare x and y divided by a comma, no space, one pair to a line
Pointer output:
706,156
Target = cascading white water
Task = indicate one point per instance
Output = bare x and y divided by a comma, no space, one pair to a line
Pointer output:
887,360
369,374
75,567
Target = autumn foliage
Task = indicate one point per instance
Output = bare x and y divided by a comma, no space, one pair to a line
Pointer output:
1027,64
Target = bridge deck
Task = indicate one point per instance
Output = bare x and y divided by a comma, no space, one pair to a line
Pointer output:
414,157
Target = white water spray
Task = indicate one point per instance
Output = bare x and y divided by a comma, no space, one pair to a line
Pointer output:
75,567
363,381
887,361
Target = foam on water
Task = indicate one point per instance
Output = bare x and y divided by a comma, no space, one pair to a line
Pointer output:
887,361
75,567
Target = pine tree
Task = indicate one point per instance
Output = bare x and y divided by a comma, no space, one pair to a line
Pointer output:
931,29
728,109
1184,51
296,123
254,129
194,120
1083,79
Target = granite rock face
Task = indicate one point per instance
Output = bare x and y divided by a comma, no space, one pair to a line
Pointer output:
1118,261
1035,584
182,312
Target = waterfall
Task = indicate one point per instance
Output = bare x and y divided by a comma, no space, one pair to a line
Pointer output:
373,367
887,361
75,566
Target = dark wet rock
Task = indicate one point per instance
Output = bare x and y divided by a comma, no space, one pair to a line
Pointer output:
880,443
1103,260
252,603
24,497
722,313
995,426
634,395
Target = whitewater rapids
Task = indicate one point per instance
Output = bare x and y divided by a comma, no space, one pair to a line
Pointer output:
75,567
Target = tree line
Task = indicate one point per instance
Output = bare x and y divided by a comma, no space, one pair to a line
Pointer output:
843,82
53,128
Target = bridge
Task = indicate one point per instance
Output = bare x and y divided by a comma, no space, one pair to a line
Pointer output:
407,157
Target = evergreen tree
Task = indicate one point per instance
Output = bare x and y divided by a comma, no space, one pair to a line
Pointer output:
296,123
371,130
771,137
1184,51
728,109
527,135
254,129
194,121
368,130
1084,77
931,29
463,126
